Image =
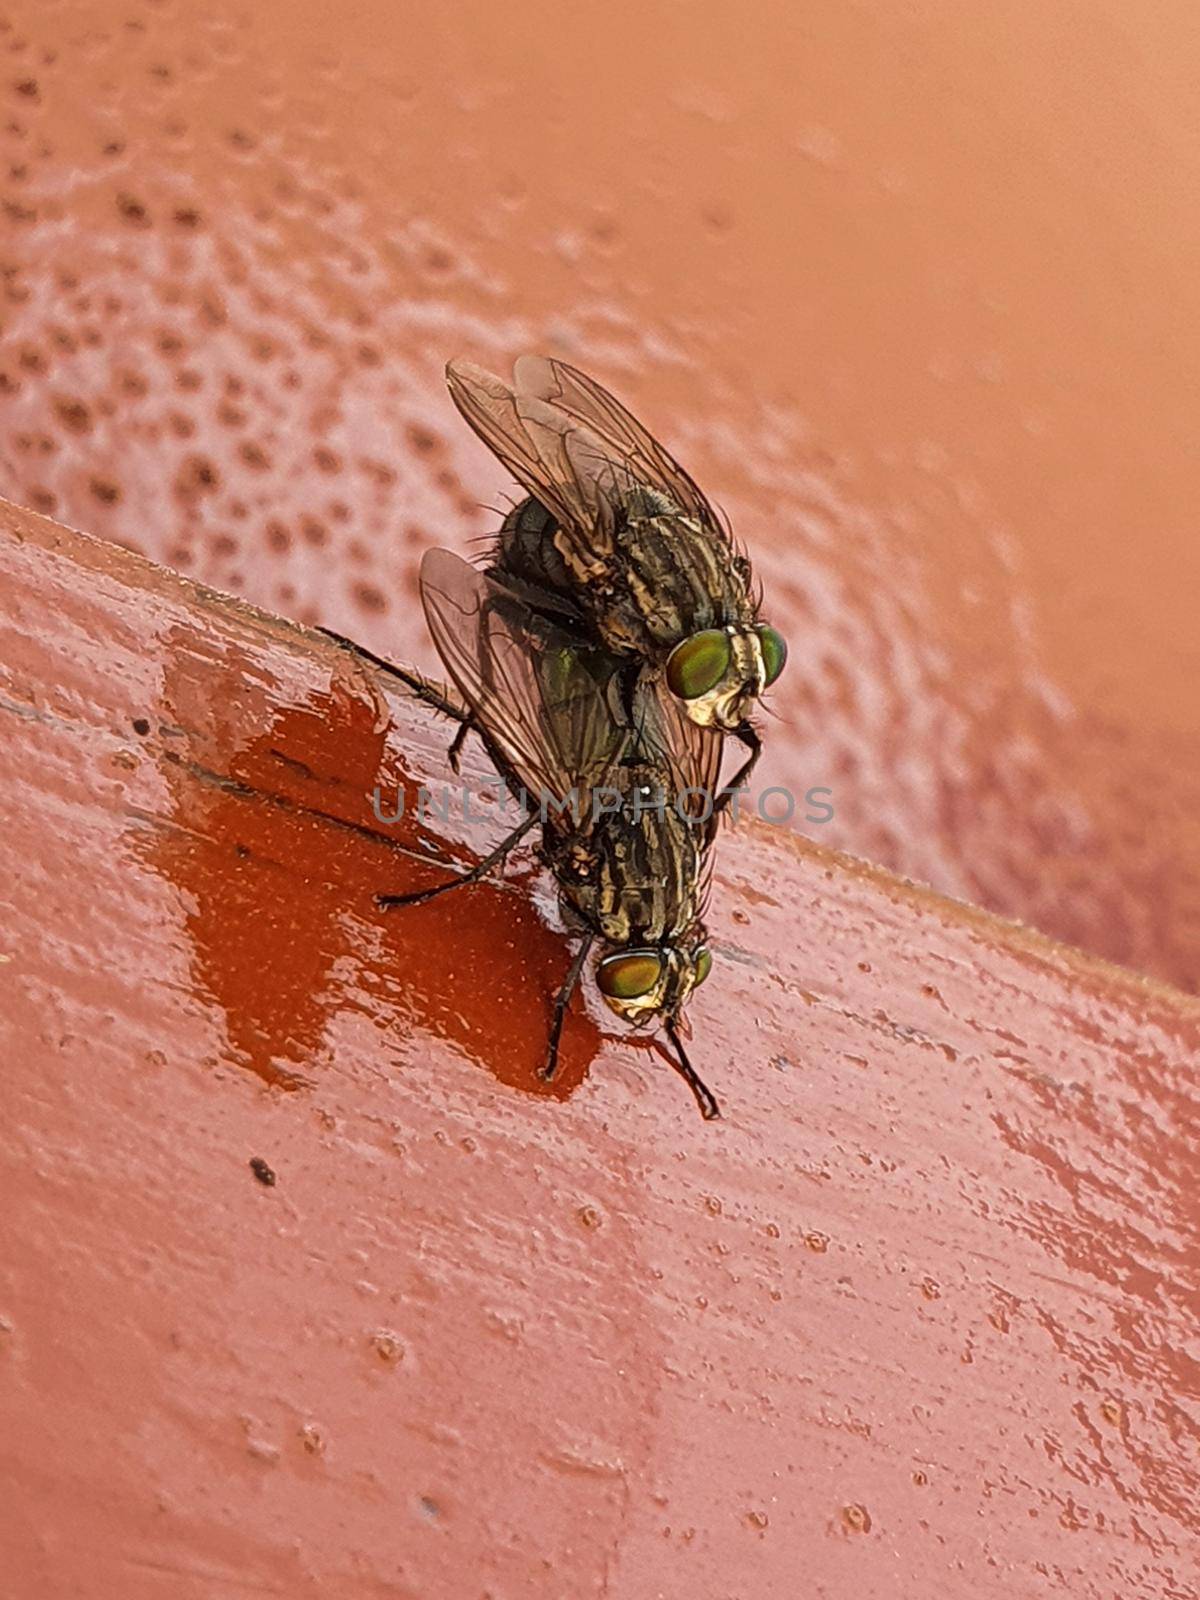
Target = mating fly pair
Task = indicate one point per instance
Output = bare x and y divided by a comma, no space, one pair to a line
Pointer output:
608,646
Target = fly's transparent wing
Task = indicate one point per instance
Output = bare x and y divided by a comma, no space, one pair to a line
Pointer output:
561,462
543,701
565,389
690,758
690,753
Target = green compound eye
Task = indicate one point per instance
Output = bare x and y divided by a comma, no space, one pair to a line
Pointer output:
629,974
703,964
774,652
698,663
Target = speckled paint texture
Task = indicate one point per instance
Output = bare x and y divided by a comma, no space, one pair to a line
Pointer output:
911,1320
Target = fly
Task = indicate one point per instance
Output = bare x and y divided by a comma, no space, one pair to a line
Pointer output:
617,542
621,827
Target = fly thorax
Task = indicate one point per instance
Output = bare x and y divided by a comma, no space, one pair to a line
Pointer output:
678,579
643,502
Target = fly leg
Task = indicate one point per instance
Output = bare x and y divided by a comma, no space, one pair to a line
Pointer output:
466,724
480,870
424,689
705,1099
560,1007
749,736
432,695
460,738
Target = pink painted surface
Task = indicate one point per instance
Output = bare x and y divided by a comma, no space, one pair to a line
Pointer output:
913,289
911,1321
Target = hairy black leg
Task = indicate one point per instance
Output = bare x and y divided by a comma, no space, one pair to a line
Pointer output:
432,694
705,1099
560,1007
748,735
480,870
424,689
460,738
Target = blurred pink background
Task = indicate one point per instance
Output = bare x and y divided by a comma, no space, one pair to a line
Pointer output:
913,291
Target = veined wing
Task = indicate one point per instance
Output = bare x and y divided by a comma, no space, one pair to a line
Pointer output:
557,459
543,702
692,754
568,390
